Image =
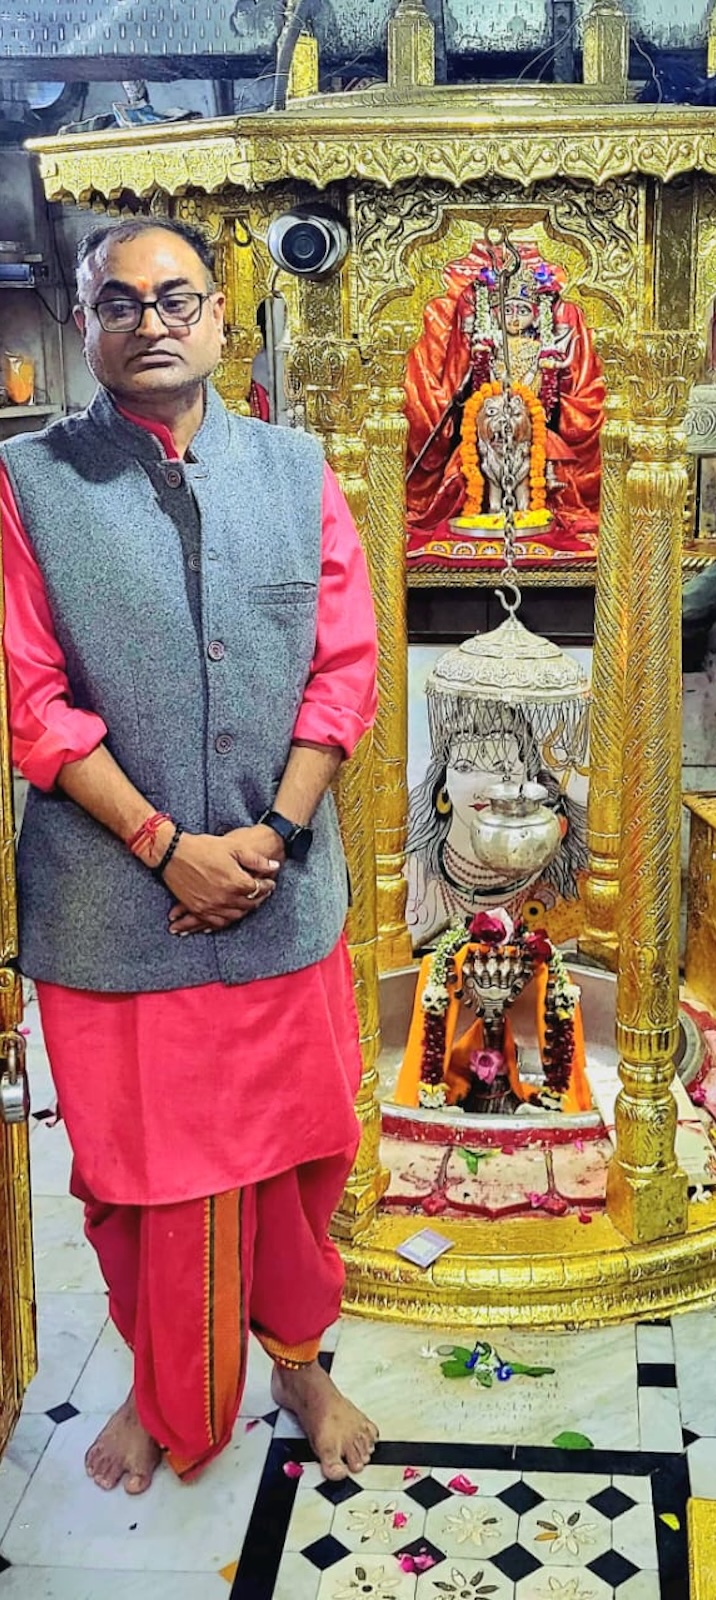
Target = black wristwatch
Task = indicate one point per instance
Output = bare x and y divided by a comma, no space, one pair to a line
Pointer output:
297,840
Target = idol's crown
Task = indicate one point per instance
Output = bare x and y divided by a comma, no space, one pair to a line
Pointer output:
529,283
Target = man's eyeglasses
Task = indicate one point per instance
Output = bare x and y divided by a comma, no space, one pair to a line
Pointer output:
123,315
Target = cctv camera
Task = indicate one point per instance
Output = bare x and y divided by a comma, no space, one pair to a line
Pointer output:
309,242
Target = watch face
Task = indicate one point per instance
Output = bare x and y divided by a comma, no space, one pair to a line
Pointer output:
301,844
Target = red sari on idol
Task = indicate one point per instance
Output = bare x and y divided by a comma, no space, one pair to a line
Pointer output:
436,370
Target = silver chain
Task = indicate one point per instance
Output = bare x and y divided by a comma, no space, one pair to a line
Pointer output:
504,271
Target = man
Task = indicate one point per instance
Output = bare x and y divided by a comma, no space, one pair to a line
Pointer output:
191,653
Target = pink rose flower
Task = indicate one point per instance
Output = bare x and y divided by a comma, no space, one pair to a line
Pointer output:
492,927
538,945
487,1064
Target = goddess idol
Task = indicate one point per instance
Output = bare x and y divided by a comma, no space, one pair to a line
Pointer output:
455,411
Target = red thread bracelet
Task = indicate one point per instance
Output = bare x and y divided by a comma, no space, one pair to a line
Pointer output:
147,834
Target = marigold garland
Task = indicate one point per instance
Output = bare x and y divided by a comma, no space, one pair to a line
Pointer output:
469,453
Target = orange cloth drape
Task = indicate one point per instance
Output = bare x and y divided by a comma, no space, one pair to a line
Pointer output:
457,1053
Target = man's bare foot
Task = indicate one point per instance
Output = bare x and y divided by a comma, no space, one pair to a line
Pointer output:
342,1437
125,1450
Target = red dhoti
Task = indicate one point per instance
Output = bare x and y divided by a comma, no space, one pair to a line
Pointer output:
188,1281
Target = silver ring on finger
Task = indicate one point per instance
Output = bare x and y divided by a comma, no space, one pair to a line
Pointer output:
255,893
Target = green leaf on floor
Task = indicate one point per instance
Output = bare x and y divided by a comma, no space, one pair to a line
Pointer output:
518,1367
573,1441
455,1369
472,1158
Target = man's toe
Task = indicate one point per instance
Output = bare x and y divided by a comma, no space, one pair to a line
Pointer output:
357,1455
333,1467
137,1482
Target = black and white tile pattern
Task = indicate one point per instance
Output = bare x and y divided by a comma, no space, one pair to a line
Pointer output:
432,1522
645,1397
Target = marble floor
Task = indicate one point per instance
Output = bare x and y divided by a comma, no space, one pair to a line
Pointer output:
565,1481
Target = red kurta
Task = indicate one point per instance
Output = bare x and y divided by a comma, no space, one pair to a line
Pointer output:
172,1096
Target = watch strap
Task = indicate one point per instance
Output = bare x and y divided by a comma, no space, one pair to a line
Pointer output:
286,830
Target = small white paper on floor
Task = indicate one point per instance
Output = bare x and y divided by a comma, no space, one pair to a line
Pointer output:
423,1248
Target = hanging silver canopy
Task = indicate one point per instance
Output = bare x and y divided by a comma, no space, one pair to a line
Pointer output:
508,694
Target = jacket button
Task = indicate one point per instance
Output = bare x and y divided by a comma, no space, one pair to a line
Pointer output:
223,744
216,650
173,478
194,563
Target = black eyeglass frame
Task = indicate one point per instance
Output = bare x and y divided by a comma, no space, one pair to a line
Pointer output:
150,305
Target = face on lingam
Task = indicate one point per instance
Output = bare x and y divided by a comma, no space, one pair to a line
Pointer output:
468,784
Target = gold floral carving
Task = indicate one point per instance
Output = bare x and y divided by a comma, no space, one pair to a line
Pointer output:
502,137
396,235
646,1193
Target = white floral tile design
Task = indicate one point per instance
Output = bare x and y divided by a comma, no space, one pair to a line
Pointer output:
435,1534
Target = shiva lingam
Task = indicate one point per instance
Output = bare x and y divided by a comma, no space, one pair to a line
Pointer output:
485,967
492,977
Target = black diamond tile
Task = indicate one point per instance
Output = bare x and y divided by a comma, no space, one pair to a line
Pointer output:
325,1552
62,1413
611,1502
422,1547
4,1563
336,1493
520,1497
516,1562
325,1359
271,1418
428,1493
612,1568
689,1437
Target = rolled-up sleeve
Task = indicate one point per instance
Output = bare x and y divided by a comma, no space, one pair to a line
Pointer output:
340,699
46,730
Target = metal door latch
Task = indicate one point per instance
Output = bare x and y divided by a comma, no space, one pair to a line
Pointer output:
14,1087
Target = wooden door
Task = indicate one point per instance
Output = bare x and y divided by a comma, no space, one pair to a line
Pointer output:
17,1311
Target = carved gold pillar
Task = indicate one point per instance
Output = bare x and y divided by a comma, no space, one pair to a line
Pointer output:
600,937
235,272
605,55
411,47
385,435
330,376
646,1192
303,77
711,46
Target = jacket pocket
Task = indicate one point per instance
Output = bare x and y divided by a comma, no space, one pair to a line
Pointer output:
269,594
